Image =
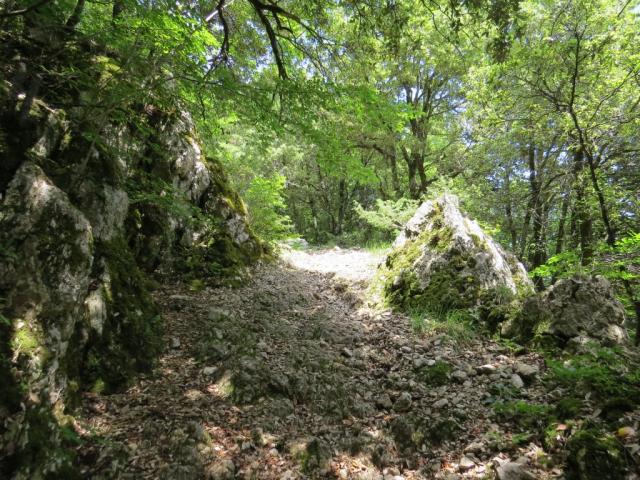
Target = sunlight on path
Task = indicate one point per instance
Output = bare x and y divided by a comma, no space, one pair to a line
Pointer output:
350,264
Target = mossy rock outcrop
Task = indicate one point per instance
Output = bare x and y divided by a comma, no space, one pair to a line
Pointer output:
573,312
442,260
595,456
84,224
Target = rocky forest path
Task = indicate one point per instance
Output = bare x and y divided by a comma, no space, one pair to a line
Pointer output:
294,376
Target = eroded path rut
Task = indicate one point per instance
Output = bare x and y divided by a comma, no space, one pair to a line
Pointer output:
293,376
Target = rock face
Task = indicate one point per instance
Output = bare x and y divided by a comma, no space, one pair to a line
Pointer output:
573,310
82,225
443,260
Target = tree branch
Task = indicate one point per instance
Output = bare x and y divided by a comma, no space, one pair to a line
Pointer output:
25,10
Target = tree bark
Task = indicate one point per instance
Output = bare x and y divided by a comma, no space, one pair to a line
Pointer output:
584,222
604,211
76,16
118,8
563,218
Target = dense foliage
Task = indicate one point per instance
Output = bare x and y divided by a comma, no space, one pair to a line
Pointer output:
321,110
333,121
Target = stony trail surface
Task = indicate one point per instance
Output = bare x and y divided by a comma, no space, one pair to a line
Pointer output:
348,264
294,376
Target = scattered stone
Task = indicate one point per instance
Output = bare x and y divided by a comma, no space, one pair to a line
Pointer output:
459,375
221,470
217,314
209,371
443,402
486,369
185,298
466,464
526,371
346,352
420,362
403,402
516,381
475,447
513,471
384,401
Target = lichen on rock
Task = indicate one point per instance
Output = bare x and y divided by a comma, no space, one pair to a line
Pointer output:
442,260
77,252
572,312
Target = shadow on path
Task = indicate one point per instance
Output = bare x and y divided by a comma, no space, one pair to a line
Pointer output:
289,376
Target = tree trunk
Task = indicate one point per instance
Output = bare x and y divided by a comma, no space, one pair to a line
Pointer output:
118,8
509,210
604,211
584,222
412,170
419,160
533,200
537,251
342,207
561,222
395,181
76,16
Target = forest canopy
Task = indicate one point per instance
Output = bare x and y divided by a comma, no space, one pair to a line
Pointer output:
162,163
328,114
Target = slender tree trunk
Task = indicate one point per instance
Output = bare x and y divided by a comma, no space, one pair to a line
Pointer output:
419,160
118,8
604,211
314,216
412,171
537,251
342,207
561,223
584,222
395,181
573,228
509,210
533,199
76,16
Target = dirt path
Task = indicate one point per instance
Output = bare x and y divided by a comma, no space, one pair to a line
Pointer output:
292,377
347,264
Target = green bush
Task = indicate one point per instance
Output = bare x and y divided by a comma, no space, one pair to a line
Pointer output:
388,215
435,375
605,373
266,206
595,456
526,415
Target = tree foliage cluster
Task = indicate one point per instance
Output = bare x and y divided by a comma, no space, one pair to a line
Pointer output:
324,111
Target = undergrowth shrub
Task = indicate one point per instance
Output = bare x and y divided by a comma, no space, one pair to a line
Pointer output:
388,215
605,373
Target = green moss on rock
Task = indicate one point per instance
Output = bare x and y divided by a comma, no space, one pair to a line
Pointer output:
443,261
435,375
132,333
594,456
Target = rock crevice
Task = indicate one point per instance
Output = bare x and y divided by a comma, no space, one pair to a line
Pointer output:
83,225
